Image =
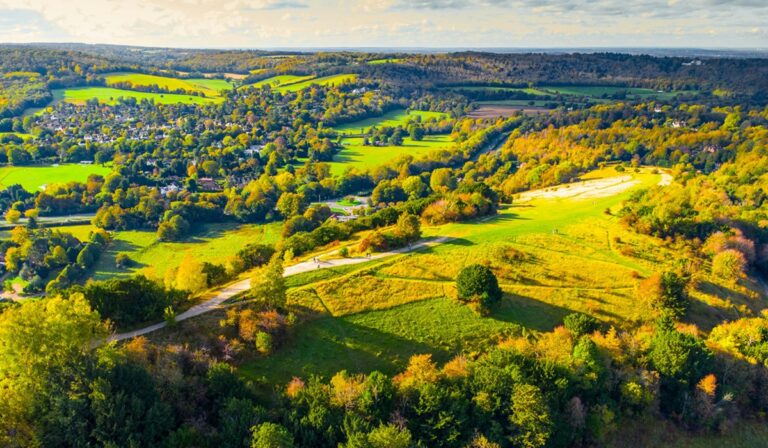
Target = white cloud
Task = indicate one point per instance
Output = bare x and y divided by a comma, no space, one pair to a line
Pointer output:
260,23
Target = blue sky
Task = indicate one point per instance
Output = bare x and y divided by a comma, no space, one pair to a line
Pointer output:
390,23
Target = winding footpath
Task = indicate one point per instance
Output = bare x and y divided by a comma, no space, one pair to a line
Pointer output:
232,289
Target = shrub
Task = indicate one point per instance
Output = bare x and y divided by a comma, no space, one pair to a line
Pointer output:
665,293
122,260
729,264
580,324
263,342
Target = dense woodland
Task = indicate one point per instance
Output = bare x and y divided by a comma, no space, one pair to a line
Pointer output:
262,155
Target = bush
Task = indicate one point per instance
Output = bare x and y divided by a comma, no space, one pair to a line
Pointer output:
122,260
729,264
477,283
263,342
580,324
665,293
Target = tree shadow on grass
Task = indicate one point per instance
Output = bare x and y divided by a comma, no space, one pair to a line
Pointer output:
202,233
529,313
327,345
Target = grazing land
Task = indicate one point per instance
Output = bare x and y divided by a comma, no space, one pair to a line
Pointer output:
393,118
214,243
207,86
333,80
33,178
108,95
354,154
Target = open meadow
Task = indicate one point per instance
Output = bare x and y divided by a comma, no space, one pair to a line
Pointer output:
354,154
554,254
393,118
108,95
209,87
214,243
32,178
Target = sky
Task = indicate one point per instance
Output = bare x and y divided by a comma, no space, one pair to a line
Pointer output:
390,23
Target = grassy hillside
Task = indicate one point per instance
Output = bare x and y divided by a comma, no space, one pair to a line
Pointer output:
210,242
108,95
554,253
210,87
397,117
356,155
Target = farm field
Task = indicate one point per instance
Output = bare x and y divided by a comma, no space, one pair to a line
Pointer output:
34,177
108,95
396,117
356,155
209,242
528,90
384,61
553,254
601,91
279,80
323,81
21,135
210,87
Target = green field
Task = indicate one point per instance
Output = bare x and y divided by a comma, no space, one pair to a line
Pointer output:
356,155
384,61
210,87
108,95
279,80
333,80
34,177
209,242
294,83
602,91
21,135
571,256
397,117
527,90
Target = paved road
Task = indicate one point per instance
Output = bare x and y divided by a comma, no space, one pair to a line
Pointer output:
229,291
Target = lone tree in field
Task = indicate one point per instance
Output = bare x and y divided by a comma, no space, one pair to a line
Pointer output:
477,284
408,227
268,283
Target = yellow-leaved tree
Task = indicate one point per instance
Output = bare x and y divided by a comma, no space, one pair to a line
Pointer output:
39,339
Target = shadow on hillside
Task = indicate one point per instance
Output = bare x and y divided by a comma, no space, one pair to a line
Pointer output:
201,233
328,345
529,312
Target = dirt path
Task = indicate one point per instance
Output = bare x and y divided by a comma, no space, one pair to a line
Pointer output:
598,188
232,289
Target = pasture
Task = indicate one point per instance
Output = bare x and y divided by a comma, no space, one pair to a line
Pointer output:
209,242
552,253
210,87
333,80
393,118
32,178
108,95
279,80
356,155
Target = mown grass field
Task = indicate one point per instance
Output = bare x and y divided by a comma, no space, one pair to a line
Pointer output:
279,80
323,81
384,61
396,117
209,242
108,95
34,177
210,87
356,155
552,256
